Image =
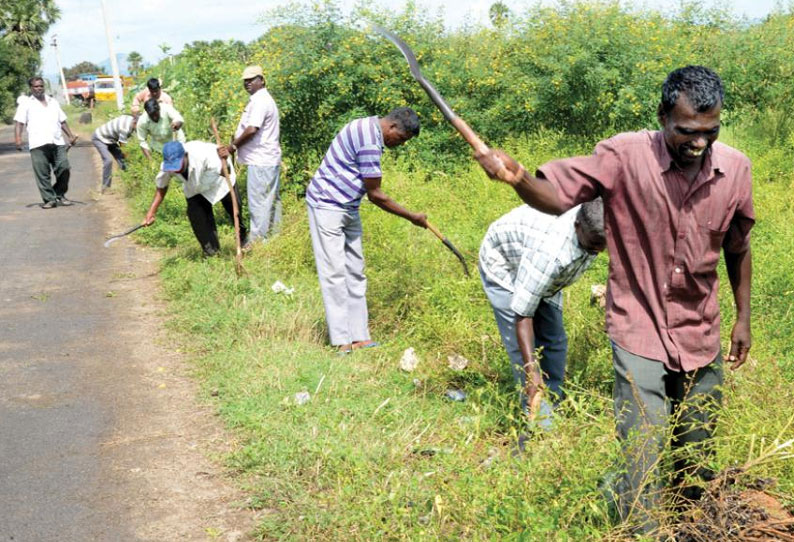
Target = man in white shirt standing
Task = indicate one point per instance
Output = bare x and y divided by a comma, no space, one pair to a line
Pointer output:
45,120
198,166
256,142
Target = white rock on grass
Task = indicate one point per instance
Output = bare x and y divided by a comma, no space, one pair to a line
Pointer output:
302,397
281,288
598,295
457,362
409,361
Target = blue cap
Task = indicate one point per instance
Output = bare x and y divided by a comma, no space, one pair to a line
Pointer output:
173,152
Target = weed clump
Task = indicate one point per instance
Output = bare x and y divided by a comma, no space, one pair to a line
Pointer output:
735,510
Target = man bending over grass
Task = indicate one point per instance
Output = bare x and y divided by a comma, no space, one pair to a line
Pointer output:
526,259
350,169
198,166
673,199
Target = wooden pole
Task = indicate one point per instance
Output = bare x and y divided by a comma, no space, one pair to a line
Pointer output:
235,206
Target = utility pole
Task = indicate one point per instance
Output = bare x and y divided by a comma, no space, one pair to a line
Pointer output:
54,44
113,62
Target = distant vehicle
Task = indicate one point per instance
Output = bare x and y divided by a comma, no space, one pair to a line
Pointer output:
105,89
80,90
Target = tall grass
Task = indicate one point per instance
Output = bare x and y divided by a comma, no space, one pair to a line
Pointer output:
379,454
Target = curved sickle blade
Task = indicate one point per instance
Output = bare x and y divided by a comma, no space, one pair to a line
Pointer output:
113,238
457,253
446,110
460,125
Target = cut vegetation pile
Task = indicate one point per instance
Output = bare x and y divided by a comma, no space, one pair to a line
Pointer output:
734,511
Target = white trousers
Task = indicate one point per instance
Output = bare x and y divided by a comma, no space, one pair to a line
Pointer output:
264,200
338,254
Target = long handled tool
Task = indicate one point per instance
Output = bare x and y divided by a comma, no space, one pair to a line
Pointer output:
238,258
460,125
450,246
113,238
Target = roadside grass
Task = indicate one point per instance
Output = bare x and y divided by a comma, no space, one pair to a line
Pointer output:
379,454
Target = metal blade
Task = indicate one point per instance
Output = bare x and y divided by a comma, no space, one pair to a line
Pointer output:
436,98
113,238
457,253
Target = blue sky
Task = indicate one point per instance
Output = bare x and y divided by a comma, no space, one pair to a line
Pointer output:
142,25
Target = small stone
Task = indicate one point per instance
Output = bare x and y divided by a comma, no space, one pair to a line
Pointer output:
493,453
302,397
409,360
457,362
281,288
455,395
598,295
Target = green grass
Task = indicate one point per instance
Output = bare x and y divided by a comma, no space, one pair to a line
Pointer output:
379,454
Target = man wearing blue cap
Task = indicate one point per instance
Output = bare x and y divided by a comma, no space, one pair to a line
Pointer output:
198,166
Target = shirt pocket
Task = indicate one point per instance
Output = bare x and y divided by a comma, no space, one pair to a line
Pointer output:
709,234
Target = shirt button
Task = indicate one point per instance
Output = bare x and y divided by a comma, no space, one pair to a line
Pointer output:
677,269
681,235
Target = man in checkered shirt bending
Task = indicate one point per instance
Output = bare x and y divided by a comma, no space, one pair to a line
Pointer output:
526,259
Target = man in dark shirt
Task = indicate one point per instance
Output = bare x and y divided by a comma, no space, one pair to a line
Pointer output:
672,200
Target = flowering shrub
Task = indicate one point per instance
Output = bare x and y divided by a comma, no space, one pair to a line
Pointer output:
585,68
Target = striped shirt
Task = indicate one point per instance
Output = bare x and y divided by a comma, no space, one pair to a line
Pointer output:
354,155
115,131
533,255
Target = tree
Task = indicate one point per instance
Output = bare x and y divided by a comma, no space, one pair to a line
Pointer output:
164,47
499,14
135,61
82,67
23,24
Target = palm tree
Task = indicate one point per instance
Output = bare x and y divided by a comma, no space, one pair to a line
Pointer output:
499,13
24,22
164,47
135,61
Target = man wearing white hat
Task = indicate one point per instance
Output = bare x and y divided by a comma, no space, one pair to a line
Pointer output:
256,142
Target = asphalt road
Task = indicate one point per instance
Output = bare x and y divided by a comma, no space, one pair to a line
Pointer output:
56,354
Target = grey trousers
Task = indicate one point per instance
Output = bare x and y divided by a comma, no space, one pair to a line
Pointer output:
654,405
264,200
339,256
108,154
51,157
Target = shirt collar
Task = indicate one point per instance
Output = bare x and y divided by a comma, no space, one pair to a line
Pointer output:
713,160
378,131
569,218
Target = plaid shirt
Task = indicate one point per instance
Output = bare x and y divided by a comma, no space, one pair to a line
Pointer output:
533,255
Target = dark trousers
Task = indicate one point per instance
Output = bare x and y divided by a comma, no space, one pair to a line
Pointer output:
654,405
202,220
549,336
108,154
50,157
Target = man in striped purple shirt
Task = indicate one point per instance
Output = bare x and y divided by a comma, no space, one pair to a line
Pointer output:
350,169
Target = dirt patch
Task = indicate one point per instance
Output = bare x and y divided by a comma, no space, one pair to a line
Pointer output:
733,511
157,458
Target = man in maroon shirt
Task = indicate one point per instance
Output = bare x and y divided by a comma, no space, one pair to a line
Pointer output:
672,200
